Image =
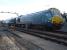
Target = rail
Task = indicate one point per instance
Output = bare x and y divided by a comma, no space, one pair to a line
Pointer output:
55,36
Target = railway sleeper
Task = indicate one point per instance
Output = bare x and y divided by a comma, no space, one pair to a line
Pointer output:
51,38
60,36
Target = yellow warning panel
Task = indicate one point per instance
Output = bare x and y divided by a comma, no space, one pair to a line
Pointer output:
57,20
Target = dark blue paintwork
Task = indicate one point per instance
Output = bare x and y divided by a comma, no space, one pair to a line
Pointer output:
42,17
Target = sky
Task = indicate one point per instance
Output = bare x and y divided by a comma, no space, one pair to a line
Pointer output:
23,7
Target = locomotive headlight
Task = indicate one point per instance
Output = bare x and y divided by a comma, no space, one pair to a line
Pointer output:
57,20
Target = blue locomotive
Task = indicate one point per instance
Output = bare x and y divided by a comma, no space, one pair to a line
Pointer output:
50,19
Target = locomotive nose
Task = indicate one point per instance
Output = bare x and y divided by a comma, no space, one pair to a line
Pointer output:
57,20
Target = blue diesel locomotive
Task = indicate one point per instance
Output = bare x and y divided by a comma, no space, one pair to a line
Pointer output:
50,19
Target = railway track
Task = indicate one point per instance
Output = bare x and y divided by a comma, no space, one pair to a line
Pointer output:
6,43
55,36
14,39
23,42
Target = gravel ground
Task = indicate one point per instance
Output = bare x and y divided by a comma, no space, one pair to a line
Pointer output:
6,43
45,44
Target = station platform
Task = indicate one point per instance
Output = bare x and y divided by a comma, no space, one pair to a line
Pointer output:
45,44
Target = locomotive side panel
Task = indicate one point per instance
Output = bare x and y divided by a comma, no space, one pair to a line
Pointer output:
51,18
